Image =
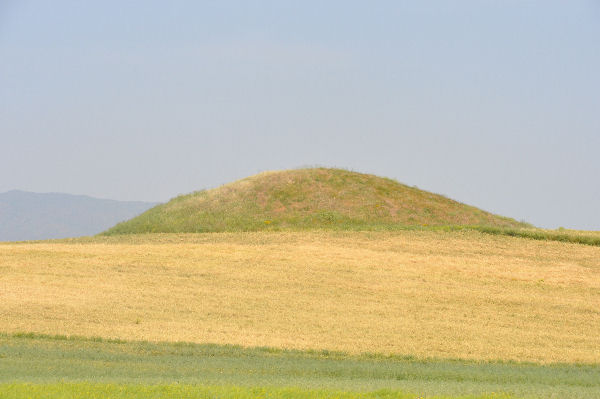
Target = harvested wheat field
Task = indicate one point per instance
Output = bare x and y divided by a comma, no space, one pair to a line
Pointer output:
423,293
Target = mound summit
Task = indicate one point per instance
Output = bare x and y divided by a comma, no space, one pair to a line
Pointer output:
316,198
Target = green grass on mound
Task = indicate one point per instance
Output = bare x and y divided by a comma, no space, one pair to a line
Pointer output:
35,366
300,199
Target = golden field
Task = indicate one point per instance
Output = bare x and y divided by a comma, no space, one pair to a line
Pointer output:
422,293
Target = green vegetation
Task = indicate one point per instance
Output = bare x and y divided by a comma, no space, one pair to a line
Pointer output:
117,391
329,199
561,235
58,367
302,199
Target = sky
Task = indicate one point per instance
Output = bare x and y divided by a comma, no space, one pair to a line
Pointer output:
492,103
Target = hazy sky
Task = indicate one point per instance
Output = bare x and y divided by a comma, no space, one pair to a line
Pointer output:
492,103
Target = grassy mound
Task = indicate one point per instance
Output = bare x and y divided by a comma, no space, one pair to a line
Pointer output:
302,199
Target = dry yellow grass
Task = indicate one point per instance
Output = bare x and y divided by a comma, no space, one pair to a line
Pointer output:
461,294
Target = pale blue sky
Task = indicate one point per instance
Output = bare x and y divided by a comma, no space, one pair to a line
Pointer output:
492,103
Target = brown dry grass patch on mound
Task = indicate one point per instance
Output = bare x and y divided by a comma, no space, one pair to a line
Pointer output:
461,294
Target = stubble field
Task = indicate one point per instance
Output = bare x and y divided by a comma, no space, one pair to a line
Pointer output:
452,295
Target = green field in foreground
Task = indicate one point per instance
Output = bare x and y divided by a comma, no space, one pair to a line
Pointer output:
117,391
35,366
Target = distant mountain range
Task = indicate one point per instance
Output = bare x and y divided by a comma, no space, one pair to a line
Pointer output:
33,216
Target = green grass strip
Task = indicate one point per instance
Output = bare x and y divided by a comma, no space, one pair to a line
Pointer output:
118,391
543,235
27,359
